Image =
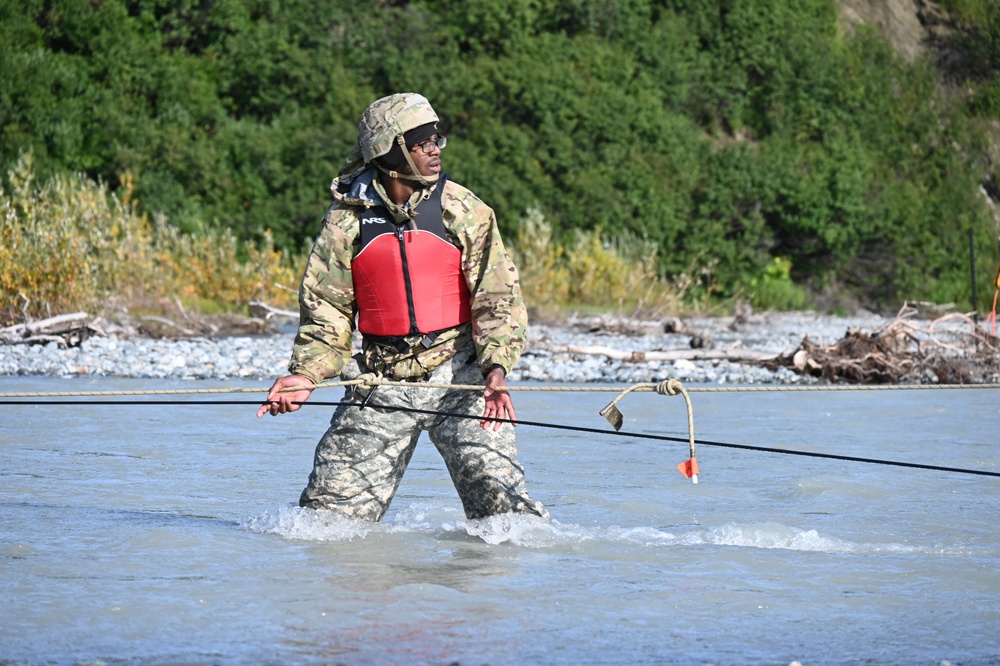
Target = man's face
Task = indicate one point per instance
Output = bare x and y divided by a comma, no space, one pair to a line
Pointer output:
426,156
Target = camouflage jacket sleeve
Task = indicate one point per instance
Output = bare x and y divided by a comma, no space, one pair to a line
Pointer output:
326,300
499,316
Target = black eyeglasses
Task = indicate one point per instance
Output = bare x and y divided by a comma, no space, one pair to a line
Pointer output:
429,144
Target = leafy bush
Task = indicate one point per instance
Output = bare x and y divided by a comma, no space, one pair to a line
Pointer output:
775,290
594,272
72,244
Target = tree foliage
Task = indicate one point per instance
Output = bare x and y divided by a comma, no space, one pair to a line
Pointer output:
727,133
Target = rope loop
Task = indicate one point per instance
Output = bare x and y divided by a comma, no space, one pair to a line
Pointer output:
668,387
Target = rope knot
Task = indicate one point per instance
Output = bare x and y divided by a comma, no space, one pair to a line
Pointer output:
669,387
369,380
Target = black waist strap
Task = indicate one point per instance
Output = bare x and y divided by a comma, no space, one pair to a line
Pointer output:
402,344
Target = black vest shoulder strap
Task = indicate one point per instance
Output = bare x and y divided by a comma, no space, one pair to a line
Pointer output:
376,221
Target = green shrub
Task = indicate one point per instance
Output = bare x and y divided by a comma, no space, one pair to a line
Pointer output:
70,244
775,290
593,273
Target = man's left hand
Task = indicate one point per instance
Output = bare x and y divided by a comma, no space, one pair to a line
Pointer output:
498,403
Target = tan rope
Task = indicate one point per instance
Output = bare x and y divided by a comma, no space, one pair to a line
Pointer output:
650,387
611,412
639,388
108,394
839,387
673,387
667,387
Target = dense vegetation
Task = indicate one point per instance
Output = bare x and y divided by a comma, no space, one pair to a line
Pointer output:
69,244
750,143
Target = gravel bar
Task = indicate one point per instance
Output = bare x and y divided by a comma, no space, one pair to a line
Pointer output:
265,357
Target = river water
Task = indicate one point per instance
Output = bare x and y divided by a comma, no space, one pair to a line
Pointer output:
167,534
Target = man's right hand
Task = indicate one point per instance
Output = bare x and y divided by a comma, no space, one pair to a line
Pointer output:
279,402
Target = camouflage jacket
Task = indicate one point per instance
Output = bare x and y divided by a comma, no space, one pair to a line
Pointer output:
327,307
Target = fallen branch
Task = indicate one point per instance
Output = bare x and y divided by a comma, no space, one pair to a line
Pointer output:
730,354
262,310
43,340
70,328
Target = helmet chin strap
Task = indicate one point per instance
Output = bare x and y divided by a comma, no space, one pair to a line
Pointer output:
416,175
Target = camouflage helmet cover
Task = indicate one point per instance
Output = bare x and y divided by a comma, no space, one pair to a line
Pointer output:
387,118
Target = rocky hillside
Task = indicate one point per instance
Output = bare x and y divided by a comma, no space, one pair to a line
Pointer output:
920,28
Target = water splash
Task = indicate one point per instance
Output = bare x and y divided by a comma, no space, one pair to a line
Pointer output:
643,536
308,525
772,536
518,529
530,531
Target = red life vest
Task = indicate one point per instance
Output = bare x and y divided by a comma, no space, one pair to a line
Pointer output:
408,282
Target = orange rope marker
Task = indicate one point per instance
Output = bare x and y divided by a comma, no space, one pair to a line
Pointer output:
689,468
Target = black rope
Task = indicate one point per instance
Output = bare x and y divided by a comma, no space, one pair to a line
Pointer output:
538,424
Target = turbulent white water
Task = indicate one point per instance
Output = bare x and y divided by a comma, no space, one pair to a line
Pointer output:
165,534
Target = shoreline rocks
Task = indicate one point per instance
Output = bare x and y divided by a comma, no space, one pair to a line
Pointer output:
545,360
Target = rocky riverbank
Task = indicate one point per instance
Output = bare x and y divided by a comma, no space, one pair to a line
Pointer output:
582,350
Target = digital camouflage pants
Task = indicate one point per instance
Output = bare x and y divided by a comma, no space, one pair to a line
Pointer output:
361,459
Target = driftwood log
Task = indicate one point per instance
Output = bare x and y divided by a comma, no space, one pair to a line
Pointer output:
70,330
67,330
262,310
731,354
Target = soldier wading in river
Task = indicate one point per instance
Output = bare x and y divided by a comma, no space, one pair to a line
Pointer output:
417,260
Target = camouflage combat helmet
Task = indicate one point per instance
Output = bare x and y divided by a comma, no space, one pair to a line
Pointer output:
385,121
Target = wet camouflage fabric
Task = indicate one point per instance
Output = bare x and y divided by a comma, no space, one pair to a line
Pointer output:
326,298
361,459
